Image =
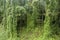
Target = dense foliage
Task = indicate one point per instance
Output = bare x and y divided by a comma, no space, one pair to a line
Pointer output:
29,19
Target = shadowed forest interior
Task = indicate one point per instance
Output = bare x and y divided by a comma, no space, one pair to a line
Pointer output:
29,19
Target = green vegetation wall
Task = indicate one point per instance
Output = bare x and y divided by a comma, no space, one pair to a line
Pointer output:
39,17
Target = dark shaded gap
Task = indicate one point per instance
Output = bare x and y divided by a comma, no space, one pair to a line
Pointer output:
21,23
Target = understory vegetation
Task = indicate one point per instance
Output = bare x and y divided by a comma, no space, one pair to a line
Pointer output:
29,19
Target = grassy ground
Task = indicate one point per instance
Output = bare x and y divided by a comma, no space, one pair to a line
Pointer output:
33,34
